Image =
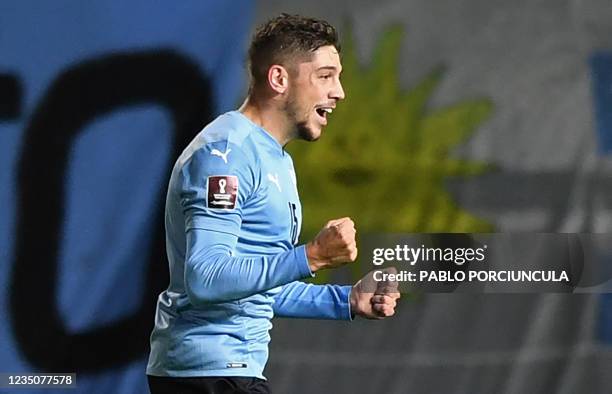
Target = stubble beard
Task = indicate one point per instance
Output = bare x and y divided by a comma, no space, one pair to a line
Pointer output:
301,128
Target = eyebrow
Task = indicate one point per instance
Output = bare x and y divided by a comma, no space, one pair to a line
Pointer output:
327,68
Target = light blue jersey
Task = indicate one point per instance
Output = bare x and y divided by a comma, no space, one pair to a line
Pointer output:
233,218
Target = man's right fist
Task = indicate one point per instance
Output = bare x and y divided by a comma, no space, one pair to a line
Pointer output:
334,245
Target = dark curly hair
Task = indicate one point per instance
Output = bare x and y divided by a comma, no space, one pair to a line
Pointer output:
285,38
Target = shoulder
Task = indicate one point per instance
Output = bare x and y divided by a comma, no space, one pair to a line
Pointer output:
231,127
228,136
224,147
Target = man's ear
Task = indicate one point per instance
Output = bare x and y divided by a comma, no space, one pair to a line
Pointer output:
278,78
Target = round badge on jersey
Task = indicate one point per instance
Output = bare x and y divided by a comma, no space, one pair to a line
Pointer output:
222,191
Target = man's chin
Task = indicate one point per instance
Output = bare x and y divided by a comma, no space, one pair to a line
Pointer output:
309,133
312,137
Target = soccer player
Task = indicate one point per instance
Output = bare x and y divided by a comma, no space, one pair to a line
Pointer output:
233,217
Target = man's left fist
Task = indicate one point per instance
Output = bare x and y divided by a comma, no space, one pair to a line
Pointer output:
375,300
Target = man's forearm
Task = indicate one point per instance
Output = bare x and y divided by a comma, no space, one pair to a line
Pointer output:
309,301
213,275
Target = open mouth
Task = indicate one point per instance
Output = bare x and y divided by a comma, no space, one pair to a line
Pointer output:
322,113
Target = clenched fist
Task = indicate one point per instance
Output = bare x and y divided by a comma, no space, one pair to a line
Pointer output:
375,300
334,245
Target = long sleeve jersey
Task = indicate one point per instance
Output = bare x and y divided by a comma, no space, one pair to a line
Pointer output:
233,219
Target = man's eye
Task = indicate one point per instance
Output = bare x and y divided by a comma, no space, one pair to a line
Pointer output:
326,76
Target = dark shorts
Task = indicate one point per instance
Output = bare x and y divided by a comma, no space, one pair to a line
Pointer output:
207,385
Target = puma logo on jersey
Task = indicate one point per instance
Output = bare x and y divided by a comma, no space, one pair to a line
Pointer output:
274,179
223,155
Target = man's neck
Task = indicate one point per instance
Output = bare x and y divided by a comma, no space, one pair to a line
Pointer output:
269,118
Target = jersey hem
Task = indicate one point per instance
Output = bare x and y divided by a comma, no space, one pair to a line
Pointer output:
237,372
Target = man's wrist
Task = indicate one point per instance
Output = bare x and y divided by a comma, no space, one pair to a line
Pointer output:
302,261
352,301
312,254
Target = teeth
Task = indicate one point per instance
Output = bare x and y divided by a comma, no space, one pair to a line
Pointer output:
328,110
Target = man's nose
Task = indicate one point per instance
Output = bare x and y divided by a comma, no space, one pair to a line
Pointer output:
338,92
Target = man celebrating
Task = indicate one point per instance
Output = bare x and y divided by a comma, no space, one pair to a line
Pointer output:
233,217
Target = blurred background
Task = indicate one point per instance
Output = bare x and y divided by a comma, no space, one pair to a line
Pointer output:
471,116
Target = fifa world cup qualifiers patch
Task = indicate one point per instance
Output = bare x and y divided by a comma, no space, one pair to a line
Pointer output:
222,191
